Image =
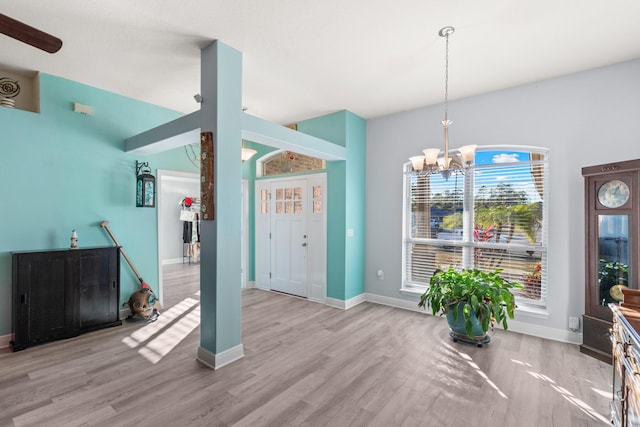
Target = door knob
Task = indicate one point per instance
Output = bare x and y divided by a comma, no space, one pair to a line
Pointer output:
304,245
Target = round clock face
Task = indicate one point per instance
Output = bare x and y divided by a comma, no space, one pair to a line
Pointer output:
613,194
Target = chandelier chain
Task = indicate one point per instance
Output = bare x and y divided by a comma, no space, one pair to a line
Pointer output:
446,79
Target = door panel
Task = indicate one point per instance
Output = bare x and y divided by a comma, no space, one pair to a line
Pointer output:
289,237
317,214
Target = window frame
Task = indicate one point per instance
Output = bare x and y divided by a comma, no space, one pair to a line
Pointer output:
467,244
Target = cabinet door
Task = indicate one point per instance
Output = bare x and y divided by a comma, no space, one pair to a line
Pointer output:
99,288
612,224
43,299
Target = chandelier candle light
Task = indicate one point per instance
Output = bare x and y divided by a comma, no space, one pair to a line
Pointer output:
454,161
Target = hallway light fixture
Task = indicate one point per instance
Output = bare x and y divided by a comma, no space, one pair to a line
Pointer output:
247,153
448,161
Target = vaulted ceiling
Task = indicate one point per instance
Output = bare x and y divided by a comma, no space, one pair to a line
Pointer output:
304,58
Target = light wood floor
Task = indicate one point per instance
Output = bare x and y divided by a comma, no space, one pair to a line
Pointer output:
306,364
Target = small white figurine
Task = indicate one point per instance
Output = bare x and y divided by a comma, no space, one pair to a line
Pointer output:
74,240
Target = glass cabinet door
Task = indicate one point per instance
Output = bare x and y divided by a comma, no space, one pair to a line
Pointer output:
612,247
613,257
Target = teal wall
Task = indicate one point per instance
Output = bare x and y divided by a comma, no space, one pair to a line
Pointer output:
355,212
346,201
62,170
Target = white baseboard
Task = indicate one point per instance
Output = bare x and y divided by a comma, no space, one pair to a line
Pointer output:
544,332
217,361
251,284
5,341
514,325
345,305
394,302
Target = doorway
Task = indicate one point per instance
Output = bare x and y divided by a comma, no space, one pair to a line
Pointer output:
175,262
290,229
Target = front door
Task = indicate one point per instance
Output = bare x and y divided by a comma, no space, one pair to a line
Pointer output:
290,235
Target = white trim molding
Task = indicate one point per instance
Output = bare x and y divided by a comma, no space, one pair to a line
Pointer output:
5,341
217,361
544,332
346,305
514,325
393,302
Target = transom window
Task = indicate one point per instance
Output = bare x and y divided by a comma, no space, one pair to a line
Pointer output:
286,162
493,217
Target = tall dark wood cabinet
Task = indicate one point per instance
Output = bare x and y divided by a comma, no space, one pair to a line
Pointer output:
63,293
612,219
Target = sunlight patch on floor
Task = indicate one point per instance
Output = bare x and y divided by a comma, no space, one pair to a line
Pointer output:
570,397
164,334
479,371
160,346
602,393
150,329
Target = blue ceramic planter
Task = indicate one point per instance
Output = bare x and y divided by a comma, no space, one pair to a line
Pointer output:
457,326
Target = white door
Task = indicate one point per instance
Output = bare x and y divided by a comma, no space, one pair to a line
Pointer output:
287,210
289,237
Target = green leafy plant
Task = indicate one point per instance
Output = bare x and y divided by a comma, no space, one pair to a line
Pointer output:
486,294
610,274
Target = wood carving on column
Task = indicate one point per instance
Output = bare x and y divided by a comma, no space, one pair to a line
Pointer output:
207,206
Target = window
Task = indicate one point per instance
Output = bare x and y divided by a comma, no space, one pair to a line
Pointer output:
286,162
493,217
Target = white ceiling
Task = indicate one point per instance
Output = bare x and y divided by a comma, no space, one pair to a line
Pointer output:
305,58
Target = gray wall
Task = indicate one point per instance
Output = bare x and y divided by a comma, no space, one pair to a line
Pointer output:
584,119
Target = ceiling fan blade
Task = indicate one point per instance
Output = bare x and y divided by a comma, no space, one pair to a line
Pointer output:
29,35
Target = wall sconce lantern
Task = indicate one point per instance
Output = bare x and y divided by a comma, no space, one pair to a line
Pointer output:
145,186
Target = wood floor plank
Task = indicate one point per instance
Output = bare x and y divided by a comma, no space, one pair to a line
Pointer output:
305,364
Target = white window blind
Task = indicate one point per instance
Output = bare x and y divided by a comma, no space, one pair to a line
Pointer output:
493,218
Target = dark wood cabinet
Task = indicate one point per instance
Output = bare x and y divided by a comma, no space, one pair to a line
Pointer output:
63,293
612,219
625,402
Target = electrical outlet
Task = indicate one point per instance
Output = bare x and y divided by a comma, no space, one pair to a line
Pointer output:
380,274
574,323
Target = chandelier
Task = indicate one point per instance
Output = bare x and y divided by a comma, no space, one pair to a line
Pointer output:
448,161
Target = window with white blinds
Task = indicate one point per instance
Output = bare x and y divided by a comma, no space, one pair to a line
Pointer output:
491,218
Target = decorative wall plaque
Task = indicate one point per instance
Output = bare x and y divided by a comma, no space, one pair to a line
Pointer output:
9,89
207,206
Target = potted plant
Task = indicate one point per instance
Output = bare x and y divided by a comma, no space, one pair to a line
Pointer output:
472,300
